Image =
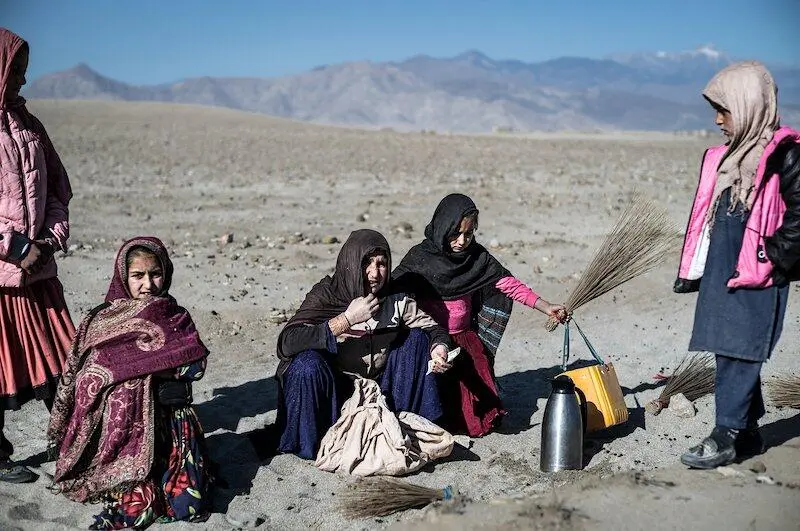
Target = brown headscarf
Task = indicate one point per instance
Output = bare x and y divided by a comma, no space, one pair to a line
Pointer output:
331,295
748,91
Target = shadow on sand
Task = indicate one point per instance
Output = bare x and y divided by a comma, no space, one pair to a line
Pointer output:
237,456
781,431
228,405
236,463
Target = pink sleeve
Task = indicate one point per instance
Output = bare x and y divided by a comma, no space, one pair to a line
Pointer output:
516,290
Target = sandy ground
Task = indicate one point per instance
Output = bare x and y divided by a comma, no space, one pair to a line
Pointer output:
191,175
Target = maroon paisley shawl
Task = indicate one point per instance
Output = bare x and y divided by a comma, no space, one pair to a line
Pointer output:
103,418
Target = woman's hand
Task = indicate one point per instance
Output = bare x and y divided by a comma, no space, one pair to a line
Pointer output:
362,309
39,253
556,311
439,357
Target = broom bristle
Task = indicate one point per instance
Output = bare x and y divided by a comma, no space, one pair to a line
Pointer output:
369,497
642,238
694,378
784,391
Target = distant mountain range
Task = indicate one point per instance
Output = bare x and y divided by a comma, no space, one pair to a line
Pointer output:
466,93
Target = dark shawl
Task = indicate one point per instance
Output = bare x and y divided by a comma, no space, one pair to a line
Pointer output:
103,418
432,271
333,294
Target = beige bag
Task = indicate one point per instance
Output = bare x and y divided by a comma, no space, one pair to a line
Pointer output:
368,439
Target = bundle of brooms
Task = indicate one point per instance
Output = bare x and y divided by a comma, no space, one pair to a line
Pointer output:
642,239
784,391
693,378
370,497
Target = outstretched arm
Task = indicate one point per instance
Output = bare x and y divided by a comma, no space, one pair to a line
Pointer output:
520,292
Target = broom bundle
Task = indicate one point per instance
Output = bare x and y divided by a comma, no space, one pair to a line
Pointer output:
369,497
784,391
642,238
693,378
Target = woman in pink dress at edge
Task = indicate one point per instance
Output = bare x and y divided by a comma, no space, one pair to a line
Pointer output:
461,285
35,326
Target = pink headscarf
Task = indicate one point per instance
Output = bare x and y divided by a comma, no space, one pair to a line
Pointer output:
10,44
58,182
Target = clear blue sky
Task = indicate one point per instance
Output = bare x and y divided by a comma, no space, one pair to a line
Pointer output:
150,41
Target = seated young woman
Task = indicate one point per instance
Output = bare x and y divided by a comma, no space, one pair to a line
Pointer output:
353,323
122,422
467,290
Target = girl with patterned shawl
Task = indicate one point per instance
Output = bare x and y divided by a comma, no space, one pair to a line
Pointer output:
461,285
122,424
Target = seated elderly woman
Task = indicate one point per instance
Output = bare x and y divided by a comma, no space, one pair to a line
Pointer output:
351,323
122,423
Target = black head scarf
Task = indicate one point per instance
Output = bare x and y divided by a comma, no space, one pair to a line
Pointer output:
431,269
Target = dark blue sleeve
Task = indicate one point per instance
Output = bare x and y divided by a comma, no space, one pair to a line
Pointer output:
191,372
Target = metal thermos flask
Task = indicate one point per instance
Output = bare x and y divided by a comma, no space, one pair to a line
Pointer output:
562,428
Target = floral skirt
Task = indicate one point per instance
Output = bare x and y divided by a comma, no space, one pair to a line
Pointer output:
178,487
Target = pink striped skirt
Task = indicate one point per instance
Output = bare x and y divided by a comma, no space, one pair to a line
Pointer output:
36,333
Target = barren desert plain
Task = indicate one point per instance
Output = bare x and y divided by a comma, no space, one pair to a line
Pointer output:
254,210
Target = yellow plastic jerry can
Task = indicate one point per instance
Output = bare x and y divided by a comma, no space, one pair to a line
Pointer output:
597,387
599,392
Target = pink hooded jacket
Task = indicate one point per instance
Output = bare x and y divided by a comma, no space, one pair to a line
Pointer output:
34,186
753,269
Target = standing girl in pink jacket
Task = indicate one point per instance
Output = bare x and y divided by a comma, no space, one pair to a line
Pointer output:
742,249
35,326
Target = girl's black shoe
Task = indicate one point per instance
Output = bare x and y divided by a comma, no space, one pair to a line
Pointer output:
718,449
11,472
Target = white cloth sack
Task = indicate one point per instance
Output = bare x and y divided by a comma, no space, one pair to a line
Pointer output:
369,439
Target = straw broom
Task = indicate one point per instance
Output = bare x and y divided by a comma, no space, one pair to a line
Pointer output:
694,378
642,239
369,497
784,391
